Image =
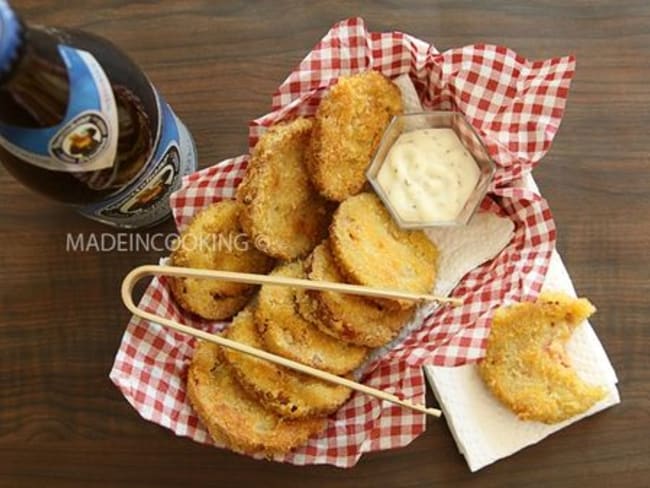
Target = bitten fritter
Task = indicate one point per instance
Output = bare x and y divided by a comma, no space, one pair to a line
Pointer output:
282,212
371,250
286,392
286,333
526,366
215,240
233,417
349,124
348,317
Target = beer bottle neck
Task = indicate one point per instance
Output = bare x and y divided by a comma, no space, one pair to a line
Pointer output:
33,78
10,38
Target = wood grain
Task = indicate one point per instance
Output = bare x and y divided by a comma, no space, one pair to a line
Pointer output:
62,423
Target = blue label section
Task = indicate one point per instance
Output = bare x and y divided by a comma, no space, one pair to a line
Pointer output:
86,139
145,201
83,97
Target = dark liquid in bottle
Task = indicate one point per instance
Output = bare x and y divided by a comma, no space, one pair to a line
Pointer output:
36,95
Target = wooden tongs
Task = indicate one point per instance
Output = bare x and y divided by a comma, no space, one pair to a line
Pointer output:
140,272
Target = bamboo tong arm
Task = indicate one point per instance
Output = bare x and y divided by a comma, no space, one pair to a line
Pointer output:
261,279
140,272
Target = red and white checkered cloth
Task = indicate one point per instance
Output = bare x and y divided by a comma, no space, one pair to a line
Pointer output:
516,106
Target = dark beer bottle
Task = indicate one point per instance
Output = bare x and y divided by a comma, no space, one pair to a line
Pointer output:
82,124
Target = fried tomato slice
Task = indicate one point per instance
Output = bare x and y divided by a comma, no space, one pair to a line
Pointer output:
282,390
286,333
348,126
214,240
235,418
371,250
282,212
347,317
526,366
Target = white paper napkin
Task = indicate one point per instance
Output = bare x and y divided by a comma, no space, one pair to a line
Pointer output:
459,252
483,428
410,98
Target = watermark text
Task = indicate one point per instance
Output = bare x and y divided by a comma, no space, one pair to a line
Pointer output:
158,242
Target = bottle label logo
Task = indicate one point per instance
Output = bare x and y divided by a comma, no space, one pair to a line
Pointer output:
86,138
149,192
82,140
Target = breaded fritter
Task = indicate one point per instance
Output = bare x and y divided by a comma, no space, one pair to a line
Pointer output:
282,212
349,124
526,366
215,240
286,392
194,296
351,318
371,250
233,417
286,333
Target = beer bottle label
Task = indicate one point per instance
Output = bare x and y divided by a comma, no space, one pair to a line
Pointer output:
86,141
86,138
146,200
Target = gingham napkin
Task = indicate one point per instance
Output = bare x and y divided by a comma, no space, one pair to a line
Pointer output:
516,106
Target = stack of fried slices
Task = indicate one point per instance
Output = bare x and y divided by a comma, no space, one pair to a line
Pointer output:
303,210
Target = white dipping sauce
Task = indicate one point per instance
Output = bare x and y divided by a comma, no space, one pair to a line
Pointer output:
428,175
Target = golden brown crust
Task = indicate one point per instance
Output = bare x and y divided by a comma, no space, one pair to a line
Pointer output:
526,366
349,123
371,250
282,212
286,333
347,317
286,392
195,296
233,417
215,240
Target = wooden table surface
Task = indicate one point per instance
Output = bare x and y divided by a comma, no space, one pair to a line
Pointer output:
63,423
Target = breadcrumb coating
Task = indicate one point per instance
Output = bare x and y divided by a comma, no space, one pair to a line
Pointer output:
526,366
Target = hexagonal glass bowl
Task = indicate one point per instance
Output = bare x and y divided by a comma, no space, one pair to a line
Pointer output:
402,124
